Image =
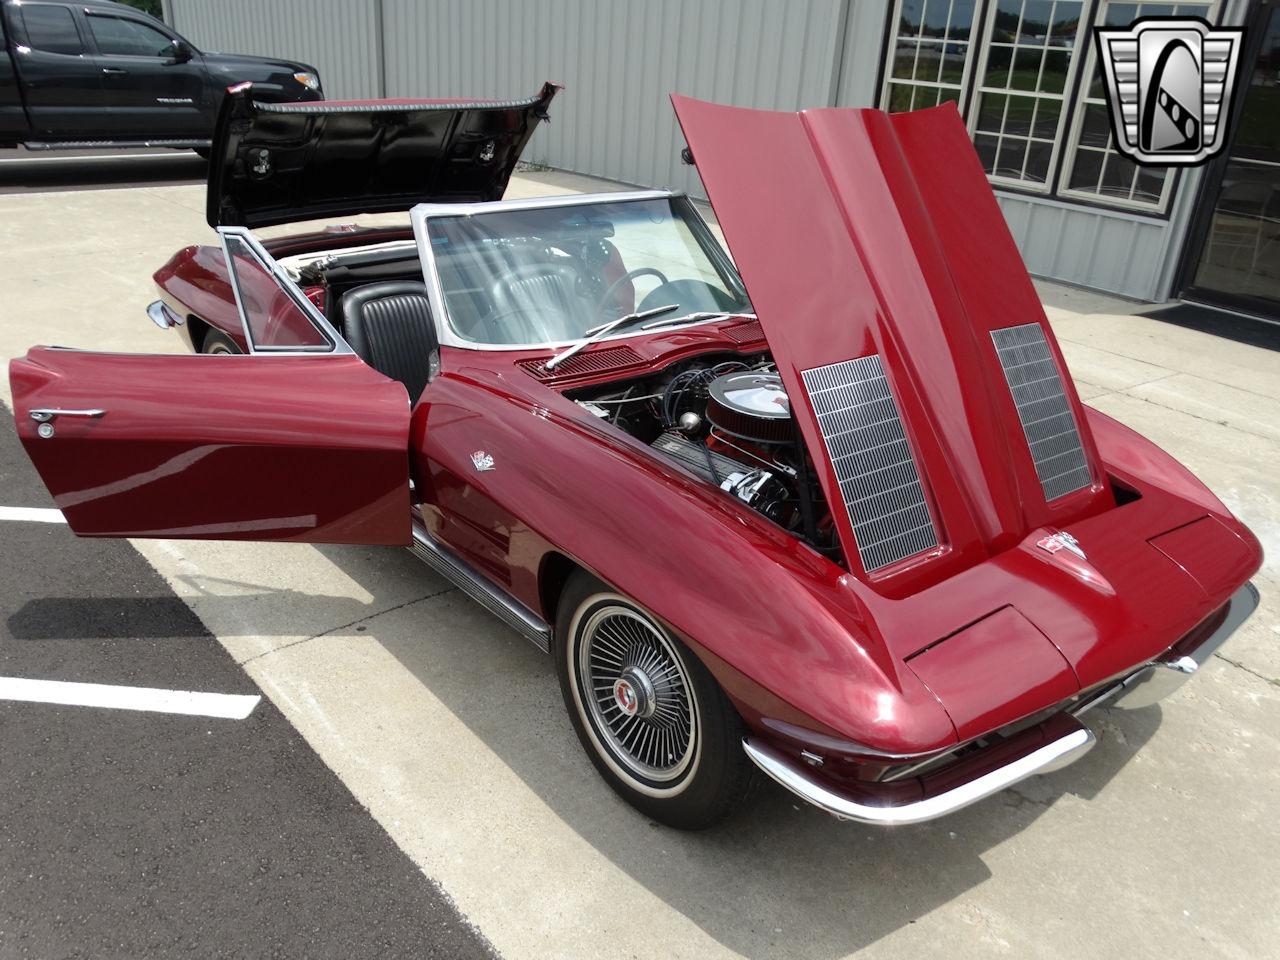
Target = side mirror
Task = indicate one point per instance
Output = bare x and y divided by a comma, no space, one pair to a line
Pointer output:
180,52
162,315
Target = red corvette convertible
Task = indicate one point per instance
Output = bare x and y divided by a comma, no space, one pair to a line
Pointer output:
832,509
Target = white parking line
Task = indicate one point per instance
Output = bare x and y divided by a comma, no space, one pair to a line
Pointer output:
32,514
227,705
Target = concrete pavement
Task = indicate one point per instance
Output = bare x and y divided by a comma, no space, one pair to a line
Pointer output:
127,834
449,729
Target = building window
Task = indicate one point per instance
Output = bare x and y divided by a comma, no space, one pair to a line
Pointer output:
1095,169
1027,64
930,61
1025,77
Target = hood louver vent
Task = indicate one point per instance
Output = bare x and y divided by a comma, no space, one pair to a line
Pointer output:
862,429
1046,416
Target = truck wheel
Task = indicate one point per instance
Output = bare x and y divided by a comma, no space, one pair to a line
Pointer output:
651,717
219,343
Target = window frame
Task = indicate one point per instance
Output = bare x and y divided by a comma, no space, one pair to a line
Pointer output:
1063,158
966,78
336,344
1080,107
91,14
1065,99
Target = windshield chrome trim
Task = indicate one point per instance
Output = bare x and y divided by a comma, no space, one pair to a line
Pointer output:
423,212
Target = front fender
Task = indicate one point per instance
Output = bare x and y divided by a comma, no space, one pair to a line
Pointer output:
780,623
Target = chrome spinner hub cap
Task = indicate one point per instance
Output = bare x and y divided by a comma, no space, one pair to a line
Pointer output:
636,694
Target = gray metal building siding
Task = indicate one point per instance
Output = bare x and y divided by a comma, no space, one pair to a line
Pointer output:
619,60
1104,249
338,37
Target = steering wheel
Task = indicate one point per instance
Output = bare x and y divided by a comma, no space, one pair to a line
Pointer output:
629,275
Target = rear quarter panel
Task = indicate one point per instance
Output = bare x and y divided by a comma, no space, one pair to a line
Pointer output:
195,283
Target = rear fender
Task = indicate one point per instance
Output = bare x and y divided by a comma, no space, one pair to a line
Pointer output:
194,282
1127,452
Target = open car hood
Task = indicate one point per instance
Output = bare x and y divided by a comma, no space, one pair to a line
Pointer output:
286,162
924,377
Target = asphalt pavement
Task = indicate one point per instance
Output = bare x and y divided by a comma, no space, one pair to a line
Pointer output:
140,834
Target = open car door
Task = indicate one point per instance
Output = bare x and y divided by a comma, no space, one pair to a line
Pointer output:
297,440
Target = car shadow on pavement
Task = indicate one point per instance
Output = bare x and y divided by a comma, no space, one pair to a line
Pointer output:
273,613
778,878
104,618
37,172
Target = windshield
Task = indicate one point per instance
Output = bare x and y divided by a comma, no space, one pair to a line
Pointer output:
550,274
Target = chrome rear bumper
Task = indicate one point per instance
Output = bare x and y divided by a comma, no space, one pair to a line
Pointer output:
1158,678
889,804
1049,746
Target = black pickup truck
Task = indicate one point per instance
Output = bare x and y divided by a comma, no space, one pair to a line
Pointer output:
100,74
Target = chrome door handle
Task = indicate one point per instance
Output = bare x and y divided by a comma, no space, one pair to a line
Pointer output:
115,72
47,414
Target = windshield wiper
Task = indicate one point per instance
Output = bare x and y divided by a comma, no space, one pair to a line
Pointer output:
596,333
696,317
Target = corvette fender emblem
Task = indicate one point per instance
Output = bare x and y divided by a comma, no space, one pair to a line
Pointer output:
1061,541
482,461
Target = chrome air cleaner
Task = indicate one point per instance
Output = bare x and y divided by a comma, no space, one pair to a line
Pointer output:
751,405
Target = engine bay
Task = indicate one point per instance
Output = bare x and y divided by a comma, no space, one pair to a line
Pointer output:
723,417
726,419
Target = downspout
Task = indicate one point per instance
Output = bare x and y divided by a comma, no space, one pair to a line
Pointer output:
837,66
380,52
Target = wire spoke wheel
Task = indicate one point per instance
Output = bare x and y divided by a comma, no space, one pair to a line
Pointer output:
654,722
218,344
637,694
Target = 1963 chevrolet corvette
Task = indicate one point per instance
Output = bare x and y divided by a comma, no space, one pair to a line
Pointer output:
832,509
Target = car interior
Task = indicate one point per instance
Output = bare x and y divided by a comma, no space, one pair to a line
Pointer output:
388,324
526,277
